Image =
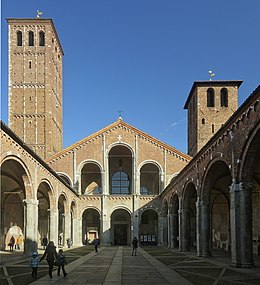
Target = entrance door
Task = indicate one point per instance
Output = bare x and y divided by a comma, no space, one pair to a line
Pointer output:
120,234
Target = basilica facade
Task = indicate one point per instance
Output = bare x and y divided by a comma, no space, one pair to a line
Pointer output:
121,182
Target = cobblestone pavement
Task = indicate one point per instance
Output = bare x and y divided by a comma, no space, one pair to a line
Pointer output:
116,265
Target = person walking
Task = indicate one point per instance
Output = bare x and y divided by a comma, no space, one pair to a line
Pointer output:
96,244
19,242
11,243
34,263
135,246
61,262
51,254
44,242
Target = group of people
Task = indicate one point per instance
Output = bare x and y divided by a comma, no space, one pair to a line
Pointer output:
52,258
17,245
59,259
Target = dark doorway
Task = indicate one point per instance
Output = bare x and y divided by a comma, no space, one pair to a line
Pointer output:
120,234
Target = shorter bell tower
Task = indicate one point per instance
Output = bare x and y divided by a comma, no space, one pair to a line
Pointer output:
210,104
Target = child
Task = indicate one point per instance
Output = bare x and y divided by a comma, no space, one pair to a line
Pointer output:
34,262
62,261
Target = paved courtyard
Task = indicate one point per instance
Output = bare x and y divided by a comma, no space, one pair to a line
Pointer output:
115,265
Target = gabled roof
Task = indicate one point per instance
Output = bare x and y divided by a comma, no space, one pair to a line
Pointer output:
120,123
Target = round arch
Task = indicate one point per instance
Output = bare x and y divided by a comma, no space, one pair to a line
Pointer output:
149,223
189,213
150,173
15,189
90,224
120,174
216,214
66,178
120,221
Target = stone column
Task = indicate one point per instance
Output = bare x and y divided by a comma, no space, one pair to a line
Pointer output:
31,225
170,230
160,230
54,218
67,230
204,229
246,224
77,232
184,229
235,225
105,239
175,230
198,228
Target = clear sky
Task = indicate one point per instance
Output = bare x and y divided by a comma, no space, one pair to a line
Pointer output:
142,57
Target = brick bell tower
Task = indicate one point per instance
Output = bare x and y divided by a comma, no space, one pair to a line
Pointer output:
210,104
35,84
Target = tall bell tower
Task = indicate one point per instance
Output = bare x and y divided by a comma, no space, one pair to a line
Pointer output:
35,84
210,104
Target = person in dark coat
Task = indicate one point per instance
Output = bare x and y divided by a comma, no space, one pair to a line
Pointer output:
61,262
96,244
135,246
51,254
44,242
11,243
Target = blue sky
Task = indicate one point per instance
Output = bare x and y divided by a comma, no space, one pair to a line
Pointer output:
142,57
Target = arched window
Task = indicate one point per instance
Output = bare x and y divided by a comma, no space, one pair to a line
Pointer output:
224,97
41,39
120,183
31,38
19,39
210,97
203,121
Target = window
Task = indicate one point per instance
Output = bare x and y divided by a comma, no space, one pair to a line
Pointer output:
210,97
120,183
212,129
31,38
224,97
19,39
41,39
203,121
30,64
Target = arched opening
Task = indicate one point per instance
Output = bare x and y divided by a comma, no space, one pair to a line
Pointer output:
65,178
149,179
31,38
91,182
120,170
43,212
149,228
90,226
120,227
210,97
216,196
41,39
189,218
19,38
250,178
224,97
61,220
12,207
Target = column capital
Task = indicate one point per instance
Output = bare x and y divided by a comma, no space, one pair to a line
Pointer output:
201,203
246,186
31,202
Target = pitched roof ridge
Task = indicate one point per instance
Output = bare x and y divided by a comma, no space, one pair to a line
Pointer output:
119,122
157,140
